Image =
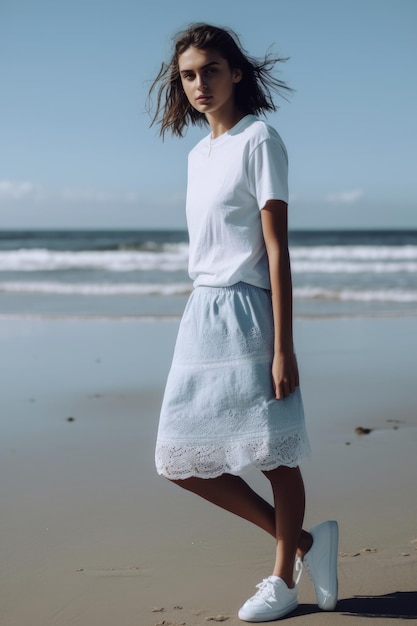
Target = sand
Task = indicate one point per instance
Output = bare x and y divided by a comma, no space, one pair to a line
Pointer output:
91,536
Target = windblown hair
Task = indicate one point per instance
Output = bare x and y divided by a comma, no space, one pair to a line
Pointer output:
253,94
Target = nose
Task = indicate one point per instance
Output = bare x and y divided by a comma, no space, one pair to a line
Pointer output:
201,85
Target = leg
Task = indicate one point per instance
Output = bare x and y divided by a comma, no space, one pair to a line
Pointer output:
277,595
234,495
289,497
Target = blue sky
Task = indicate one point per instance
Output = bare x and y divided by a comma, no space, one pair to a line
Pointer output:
76,149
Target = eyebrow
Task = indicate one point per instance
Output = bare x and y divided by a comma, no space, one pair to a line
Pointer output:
206,66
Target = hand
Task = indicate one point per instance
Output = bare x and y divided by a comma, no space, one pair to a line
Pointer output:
284,374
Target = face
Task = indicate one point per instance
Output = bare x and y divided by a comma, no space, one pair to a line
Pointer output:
208,81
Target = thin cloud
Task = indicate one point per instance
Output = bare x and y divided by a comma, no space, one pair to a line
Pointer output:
18,190
344,197
25,191
349,196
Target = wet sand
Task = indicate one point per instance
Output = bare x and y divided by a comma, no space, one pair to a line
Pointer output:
92,536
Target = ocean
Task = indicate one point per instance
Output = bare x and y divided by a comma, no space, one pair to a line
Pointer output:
143,274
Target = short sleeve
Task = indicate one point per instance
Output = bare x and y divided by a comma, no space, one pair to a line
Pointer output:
268,171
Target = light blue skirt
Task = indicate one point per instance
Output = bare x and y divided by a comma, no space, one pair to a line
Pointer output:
219,413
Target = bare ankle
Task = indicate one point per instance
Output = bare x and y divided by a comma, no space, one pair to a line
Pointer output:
287,578
305,543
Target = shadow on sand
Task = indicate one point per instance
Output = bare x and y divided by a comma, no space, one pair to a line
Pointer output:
396,605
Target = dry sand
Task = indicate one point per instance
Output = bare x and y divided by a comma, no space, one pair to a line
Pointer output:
92,537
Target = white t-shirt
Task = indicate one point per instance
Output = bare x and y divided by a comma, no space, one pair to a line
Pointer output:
230,179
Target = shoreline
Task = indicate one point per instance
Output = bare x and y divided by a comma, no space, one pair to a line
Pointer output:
175,317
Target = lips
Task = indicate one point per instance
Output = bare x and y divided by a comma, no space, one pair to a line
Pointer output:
203,98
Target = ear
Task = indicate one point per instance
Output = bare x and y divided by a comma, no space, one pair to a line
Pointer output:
237,75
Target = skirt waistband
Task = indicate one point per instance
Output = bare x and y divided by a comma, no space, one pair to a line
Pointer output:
240,287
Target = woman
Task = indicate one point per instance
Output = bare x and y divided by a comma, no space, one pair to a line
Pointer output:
232,398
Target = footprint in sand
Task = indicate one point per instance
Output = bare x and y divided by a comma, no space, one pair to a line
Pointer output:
112,571
364,550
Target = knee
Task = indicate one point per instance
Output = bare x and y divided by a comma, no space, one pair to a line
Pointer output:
282,472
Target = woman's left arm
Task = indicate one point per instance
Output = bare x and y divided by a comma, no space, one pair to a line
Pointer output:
274,217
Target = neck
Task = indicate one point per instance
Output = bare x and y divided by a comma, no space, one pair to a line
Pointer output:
220,125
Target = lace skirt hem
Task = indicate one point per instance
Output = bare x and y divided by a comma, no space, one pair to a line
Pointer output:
180,461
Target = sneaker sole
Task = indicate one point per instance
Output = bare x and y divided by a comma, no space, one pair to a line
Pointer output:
246,617
329,604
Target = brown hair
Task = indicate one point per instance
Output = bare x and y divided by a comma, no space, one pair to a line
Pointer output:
253,93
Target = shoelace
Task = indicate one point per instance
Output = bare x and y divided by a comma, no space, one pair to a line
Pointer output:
298,568
266,587
300,565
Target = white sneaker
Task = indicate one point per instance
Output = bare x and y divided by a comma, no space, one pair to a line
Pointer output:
273,600
321,563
